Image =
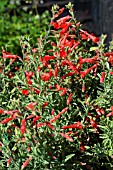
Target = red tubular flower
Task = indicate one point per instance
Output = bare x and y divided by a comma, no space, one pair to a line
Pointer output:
29,74
50,126
37,91
45,63
9,161
64,39
26,163
27,58
55,25
63,53
17,68
72,66
95,72
29,80
94,66
61,23
6,120
9,131
31,105
63,19
64,91
23,126
108,54
10,56
93,38
111,72
53,44
58,116
111,108
54,157
87,60
77,24
64,28
83,88
40,124
65,62
82,148
1,111
110,114
102,77
45,104
28,149
90,36
75,125
99,110
69,99
111,60
11,112
48,57
67,137
30,116
0,147
58,13
83,36
74,46
51,87
28,77
46,76
54,118
70,133
23,139
52,112
38,69
84,73
63,111
25,92
68,43
93,123
36,118
34,50
58,88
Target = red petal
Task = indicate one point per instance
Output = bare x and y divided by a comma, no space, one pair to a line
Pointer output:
67,137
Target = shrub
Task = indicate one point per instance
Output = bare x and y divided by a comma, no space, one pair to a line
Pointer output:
56,102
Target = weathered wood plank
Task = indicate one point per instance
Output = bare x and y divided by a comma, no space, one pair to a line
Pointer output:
106,20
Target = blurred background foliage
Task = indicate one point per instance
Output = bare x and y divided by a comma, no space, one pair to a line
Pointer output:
16,22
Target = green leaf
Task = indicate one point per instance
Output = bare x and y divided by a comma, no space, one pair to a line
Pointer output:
69,157
2,4
93,48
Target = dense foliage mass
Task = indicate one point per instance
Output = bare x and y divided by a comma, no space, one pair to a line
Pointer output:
56,102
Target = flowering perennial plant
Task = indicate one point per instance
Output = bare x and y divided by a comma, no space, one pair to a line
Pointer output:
56,110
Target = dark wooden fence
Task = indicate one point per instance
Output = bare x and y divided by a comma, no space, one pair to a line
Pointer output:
96,15
102,14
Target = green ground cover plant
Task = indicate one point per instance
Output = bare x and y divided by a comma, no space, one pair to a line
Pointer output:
56,101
